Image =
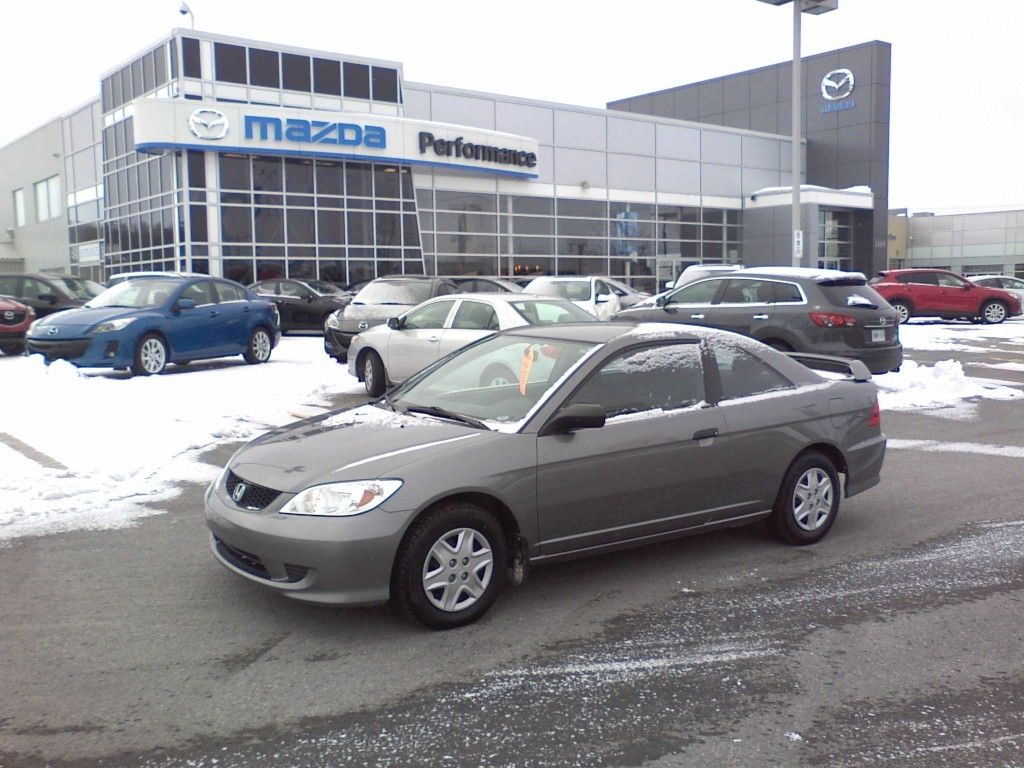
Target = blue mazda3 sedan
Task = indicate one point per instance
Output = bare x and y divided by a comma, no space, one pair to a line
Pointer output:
142,325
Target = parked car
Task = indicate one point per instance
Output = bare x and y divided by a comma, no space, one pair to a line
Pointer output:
47,294
697,271
15,319
390,353
592,294
142,325
1012,284
304,305
378,300
628,296
610,436
940,293
475,284
792,309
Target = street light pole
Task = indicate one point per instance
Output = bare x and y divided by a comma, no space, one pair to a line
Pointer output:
797,94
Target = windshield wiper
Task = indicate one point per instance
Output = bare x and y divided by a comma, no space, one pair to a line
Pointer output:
433,410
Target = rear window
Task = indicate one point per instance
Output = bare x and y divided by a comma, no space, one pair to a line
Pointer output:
550,312
574,290
394,292
857,295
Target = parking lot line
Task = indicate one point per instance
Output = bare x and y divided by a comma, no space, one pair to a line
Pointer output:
29,452
936,446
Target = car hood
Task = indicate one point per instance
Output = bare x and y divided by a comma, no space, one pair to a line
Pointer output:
9,305
82,318
370,314
360,443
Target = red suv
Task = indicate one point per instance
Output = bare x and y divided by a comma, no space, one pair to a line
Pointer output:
939,293
15,318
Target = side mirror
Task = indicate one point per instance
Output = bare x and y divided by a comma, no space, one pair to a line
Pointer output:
186,304
601,298
573,417
395,323
668,284
661,301
968,286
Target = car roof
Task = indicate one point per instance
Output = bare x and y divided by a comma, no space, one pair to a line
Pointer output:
807,273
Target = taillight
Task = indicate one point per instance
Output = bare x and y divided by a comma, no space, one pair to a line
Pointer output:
833,320
876,416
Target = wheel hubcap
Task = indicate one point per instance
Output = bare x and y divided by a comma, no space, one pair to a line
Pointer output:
457,569
904,313
261,346
368,373
812,499
994,313
153,356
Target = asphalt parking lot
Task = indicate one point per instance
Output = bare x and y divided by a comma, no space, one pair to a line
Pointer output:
896,641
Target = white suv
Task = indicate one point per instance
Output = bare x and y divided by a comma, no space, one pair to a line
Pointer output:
697,271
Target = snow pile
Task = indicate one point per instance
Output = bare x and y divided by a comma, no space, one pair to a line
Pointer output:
924,335
126,442
935,386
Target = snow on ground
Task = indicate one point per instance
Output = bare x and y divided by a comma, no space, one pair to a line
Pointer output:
936,386
926,334
126,442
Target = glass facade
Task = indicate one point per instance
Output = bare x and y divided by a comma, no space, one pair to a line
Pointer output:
835,239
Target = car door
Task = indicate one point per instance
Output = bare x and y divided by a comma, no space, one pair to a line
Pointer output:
958,295
923,289
472,321
690,304
298,299
415,344
41,297
605,302
744,305
235,318
195,332
659,464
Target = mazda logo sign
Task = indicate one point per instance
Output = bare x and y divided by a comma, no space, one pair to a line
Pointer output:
52,331
837,84
239,492
363,326
8,315
208,124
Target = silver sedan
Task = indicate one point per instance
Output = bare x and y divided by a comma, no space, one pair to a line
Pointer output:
389,354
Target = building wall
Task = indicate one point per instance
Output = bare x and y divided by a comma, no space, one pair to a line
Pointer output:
845,147
969,243
40,245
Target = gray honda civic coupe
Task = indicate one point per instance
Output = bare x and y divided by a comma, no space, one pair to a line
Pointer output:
442,492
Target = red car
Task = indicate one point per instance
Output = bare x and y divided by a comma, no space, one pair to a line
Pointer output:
939,293
15,318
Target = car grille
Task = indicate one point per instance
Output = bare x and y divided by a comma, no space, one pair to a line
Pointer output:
8,317
252,565
255,497
58,350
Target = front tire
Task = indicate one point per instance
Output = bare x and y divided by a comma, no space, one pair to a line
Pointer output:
450,567
808,500
497,375
903,310
150,356
259,347
993,312
374,378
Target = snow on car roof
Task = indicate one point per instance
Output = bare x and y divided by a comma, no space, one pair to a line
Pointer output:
811,273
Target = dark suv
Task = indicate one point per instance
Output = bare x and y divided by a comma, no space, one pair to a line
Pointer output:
377,301
47,294
818,311
938,293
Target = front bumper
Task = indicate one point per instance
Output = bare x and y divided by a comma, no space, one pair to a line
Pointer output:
337,342
339,561
99,351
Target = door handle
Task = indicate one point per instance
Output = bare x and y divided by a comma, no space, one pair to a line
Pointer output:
696,317
214,313
760,317
704,434
433,338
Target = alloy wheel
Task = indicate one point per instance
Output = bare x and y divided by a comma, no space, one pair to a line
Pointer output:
904,313
457,569
995,312
368,374
153,356
261,346
812,499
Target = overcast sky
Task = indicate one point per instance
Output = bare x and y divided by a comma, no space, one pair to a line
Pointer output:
957,101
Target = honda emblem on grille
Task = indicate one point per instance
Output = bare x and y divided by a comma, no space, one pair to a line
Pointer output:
239,492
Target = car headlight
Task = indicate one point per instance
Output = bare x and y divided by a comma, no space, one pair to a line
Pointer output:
113,325
342,499
333,320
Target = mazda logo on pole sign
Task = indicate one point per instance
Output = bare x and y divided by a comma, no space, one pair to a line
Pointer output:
837,84
208,124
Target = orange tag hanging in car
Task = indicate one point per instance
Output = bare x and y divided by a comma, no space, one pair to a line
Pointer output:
529,355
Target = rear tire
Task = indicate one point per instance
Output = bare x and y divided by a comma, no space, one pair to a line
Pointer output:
993,312
808,500
427,587
374,378
259,347
904,311
150,356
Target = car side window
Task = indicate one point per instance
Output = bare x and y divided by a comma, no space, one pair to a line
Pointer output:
475,316
227,292
743,374
266,288
36,288
601,288
9,286
430,316
743,291
696,293
788,293
919,278
950,281
201,293
1013,282
443,289
294,290
662,377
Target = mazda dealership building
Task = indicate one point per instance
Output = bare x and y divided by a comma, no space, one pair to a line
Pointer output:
249,160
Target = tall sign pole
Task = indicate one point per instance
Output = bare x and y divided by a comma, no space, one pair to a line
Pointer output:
798,240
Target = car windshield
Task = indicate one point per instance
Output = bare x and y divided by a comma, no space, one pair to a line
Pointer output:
80,289
574,290
394,292
548,312
324,288
136,294
497,380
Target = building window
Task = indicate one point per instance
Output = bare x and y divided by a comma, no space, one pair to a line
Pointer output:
357,80
327,77
264,68
296,72
191,66
19,207
229,63
47,198
385,84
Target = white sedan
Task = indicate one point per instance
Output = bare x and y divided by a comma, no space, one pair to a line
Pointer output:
1012,284
591,294
390,354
